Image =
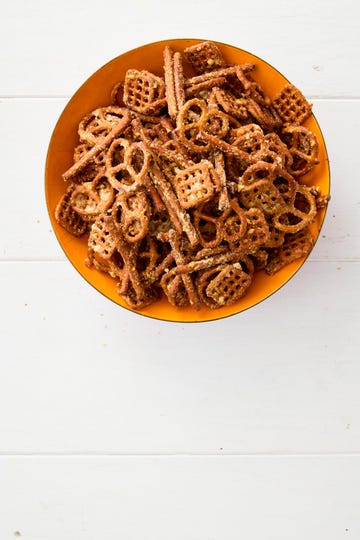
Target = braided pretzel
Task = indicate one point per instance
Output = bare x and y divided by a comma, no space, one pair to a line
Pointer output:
134,214
303,147
285,184
234,225
127,165
300,214
248,138
260,170
123,120
99,123
92,198
188,125
208,223
275,151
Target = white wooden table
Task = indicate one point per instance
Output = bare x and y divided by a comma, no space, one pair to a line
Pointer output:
115,426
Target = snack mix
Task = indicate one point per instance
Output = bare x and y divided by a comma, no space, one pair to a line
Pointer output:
187,186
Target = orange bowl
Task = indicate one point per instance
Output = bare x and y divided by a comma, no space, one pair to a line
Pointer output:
94,93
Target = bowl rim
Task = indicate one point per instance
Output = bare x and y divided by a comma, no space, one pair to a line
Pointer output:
235,311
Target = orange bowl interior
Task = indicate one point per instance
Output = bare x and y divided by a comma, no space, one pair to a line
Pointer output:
94,93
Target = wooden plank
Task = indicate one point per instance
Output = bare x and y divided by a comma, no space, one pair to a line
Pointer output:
80,374
157,498
28,231
52,48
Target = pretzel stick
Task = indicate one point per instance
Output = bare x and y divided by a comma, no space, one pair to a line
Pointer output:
178,216
169,82
224,72
154,274
178,80
219,164
99,147
180,259
221,258
131,275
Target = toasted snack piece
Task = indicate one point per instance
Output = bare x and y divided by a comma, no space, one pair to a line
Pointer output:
178,216
134,210
276,238
286,184
295,246
127,165
144,92
264,195
249,139
179,258
303,147
234,224
301,213
103,237
67,217
99,123
215,225
225,284
275,151
117,94
219,165
123,120
208,224
196,184
257,232
266,116
188,125
291,105
205,56
92,198
132,288
174,81
235,106
260,170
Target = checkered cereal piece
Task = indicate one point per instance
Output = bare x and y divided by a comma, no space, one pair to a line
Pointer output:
291,105
204,57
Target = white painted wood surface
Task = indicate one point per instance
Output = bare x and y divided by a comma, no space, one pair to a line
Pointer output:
117,426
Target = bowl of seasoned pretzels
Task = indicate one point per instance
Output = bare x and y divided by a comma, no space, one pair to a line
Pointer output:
187,180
